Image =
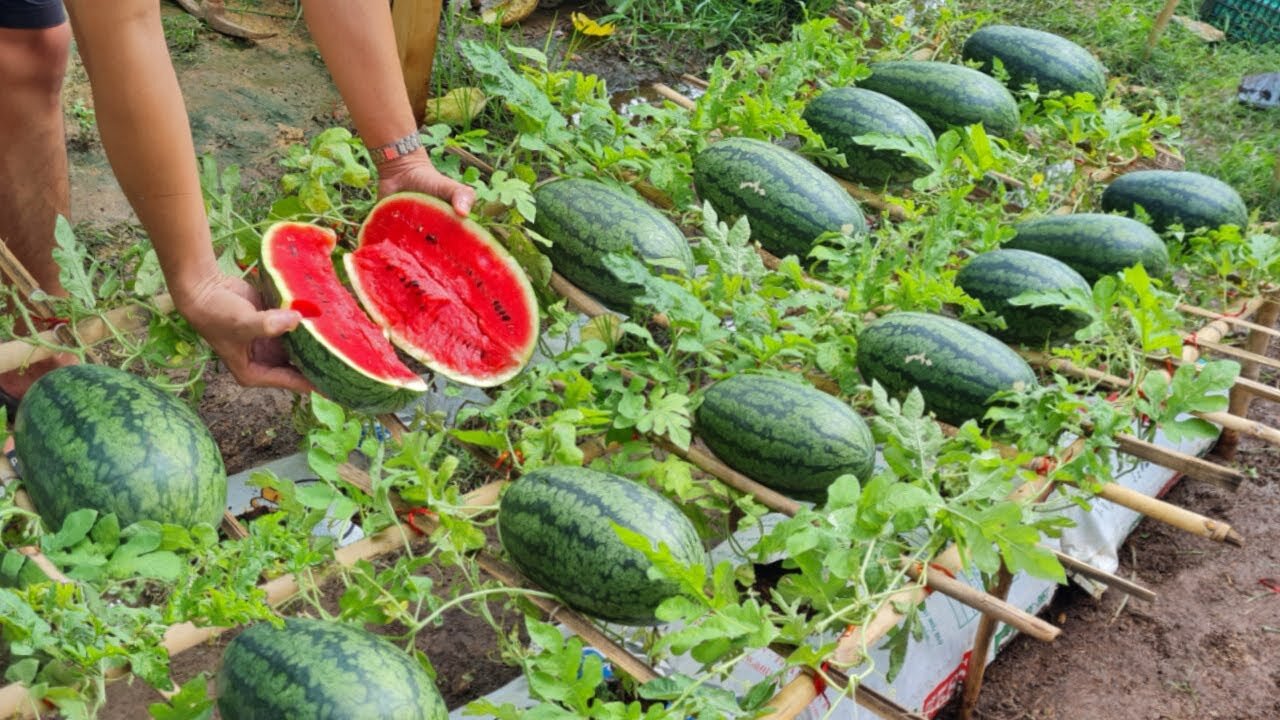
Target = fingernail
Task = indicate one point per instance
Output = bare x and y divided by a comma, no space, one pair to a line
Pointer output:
284,321
464,206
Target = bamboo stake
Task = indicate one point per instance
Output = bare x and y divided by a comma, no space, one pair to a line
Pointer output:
1229,319
416,24
19,352
1253,359
674,96
981,647
695,81
1171,514
25,283
1112,581
1189,465
939,580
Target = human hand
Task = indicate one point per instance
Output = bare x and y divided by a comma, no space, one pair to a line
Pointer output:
227,312
414,172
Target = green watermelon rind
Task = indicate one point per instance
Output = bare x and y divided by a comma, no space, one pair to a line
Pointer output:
1181,197
89,436
839,115
424,355
334,375
316,669
957,367
1051,61
946,95
784,434
1094,244
788,200
556,525
586,220
996,277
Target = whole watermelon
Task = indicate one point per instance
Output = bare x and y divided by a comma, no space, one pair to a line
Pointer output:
89,436
312,669
557,525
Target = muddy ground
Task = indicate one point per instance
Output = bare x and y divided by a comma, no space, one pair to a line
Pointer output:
1209,646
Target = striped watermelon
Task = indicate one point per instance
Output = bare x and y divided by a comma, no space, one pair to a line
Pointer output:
946,95
995,277
788,200
957,368
336,346
1093,244
556,524
586,220
1177,197
841,114
448,294
312,669
784,434
1050,61
89,436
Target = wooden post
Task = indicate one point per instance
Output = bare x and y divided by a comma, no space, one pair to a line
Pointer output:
417,24
981,646
1256,346
1162,21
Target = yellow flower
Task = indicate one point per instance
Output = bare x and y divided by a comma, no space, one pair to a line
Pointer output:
587,26
898,21
1037,180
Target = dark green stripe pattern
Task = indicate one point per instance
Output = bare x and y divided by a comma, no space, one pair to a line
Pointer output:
1094,244
317,670
947,95
785,434
90,436
841,114
995,277
1177,197
556,524
788,200
1050,61
586,220
957,368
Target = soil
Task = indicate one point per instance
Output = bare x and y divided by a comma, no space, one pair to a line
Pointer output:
1209,646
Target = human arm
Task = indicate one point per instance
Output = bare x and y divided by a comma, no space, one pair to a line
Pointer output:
356,38
143,123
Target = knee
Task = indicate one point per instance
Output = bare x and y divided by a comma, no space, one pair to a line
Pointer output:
35,61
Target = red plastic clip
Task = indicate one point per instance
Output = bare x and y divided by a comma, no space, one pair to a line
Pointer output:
409,515
1270,584
49,323
820,679
1044,464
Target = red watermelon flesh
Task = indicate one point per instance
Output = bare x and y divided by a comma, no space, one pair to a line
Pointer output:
297,257
447,292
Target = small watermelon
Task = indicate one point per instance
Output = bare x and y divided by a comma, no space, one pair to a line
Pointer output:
841,114
788,200
312,669
785,434
586,220
957,368
947,95
89,436
997,276
1177,197
448,294
556,524
1094,244
1050,61
336,346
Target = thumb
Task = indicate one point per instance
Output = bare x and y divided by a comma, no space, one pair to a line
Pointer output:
278,322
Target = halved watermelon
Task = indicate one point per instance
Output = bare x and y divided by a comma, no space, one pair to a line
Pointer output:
447,292
336,346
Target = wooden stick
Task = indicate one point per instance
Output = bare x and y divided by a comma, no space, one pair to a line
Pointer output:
1189,465
981,647
1112,581
695,81
939,580
45,565
19,352
1182,518
702,457
1253,359
674,96
1231,320
1162,21
578,299
26,285
862,195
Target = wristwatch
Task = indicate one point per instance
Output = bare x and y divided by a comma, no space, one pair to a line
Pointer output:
396,148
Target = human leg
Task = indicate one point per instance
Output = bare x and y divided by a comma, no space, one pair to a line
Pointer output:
34,188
